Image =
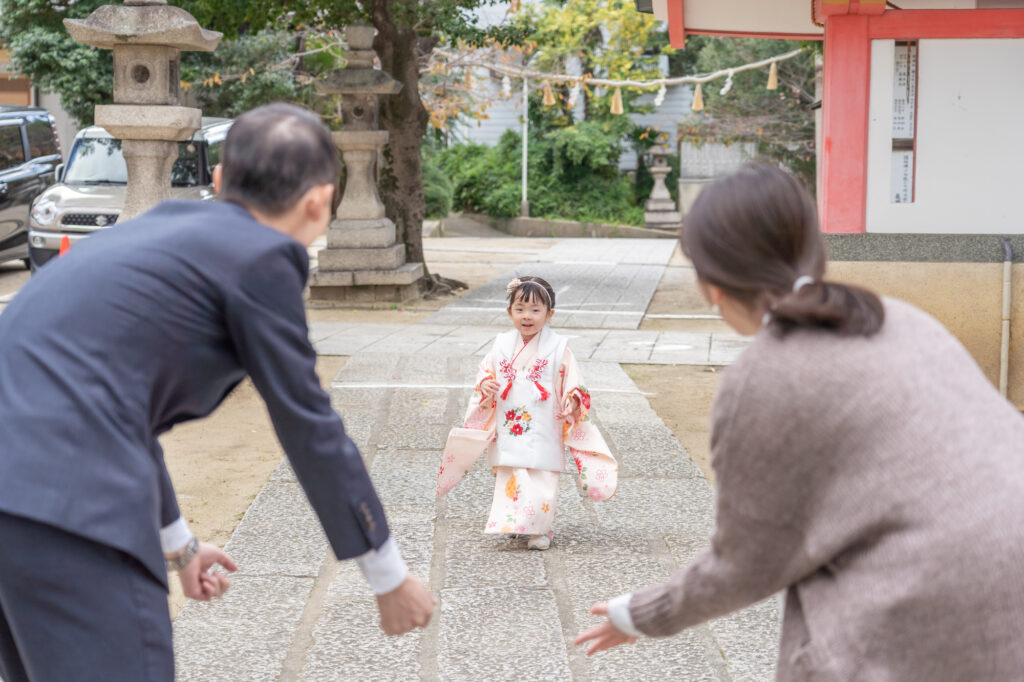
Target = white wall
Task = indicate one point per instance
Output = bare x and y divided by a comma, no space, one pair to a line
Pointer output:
67,127
970,139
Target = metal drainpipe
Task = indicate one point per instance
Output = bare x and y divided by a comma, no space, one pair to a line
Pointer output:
1004,348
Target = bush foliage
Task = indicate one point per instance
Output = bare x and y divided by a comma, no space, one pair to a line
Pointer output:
437,190
573,174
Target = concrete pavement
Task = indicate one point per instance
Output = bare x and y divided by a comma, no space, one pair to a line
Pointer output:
505,613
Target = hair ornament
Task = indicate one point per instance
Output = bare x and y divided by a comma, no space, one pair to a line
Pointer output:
513,285
801,282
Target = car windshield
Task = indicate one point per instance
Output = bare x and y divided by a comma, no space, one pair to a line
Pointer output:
98,160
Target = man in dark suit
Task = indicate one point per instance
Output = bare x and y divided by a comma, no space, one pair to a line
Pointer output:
136,329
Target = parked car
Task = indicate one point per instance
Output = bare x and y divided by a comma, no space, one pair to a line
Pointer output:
90,193
29,155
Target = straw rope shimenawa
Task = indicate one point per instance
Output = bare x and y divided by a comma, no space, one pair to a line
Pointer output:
466,60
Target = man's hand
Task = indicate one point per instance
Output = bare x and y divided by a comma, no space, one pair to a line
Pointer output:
489,387
605,635
201,584
406,607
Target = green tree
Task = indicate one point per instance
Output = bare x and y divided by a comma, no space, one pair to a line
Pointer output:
407,32
780,121
606,38
40,48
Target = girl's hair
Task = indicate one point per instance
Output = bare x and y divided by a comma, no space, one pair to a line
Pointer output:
530,289
753,234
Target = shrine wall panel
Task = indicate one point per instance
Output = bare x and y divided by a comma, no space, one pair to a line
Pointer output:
968,138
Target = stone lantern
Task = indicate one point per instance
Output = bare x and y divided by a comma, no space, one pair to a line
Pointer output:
660,210
147,37
363,262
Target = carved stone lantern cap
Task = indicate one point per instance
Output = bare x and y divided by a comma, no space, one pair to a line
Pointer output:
359,77
142,22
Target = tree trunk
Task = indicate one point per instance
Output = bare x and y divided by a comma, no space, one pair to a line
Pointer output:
405,118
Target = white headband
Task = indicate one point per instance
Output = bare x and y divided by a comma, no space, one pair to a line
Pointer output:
801,282
511,287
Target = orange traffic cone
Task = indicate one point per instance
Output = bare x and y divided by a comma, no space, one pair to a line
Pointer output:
65,244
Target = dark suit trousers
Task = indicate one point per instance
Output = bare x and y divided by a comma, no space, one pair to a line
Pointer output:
73,609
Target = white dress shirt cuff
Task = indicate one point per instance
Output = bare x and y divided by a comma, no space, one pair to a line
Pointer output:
384,568
174,536
618,614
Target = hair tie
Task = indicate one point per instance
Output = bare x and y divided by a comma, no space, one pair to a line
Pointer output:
801,282
513,285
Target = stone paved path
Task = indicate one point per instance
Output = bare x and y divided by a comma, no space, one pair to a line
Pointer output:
610,345
599,283
506,613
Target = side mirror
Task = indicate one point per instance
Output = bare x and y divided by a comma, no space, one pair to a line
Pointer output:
58,172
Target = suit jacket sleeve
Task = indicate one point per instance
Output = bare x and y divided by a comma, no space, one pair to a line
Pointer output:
169,512
267,323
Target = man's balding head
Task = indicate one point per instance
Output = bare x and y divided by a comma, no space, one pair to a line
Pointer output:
273,155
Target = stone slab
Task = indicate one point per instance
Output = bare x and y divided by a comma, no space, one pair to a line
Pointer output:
660,506
474,559
279,534
361,234
337,278
500,633
404,274
749,640
600,577
726,348
245,635
386,258
348,645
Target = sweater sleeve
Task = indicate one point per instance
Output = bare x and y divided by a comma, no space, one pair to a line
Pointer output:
758,544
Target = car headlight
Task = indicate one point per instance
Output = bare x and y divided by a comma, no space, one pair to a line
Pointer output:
44,212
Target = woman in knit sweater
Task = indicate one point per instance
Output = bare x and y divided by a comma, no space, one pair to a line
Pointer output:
863,463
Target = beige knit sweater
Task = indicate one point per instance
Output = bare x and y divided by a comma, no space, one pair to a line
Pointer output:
882,480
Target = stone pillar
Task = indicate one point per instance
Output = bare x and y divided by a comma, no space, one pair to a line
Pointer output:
146,37
363,261
660,210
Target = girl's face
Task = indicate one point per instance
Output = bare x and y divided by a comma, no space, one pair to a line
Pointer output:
529,317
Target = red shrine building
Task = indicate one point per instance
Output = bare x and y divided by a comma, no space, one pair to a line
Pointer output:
921,151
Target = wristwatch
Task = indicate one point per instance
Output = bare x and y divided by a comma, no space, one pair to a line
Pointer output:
182,560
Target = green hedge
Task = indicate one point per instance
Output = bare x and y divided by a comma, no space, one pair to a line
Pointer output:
437,190
573,175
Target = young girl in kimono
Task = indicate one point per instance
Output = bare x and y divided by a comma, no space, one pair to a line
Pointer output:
528,404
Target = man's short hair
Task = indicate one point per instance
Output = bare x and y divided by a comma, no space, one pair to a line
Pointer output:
273,155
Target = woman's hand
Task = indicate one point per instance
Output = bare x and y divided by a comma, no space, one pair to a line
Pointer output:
488,387
605,635
572,410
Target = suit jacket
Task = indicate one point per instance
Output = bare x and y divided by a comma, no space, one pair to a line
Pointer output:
881,480
146,325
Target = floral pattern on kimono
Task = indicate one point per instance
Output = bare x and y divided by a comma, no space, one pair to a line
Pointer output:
595,465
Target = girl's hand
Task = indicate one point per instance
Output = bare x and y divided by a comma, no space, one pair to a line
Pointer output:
489,387
605,635
573,411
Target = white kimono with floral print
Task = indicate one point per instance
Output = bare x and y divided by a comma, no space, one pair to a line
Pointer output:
525,442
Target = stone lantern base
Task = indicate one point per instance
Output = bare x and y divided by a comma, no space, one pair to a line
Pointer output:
363,264
363,261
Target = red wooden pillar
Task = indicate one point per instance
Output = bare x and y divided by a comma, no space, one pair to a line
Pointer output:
846,82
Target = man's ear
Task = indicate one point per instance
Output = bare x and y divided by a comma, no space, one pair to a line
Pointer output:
318,200
216,179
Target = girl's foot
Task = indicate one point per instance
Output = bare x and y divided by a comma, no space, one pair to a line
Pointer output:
539,542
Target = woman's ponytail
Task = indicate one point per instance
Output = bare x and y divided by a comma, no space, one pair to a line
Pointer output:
846,309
